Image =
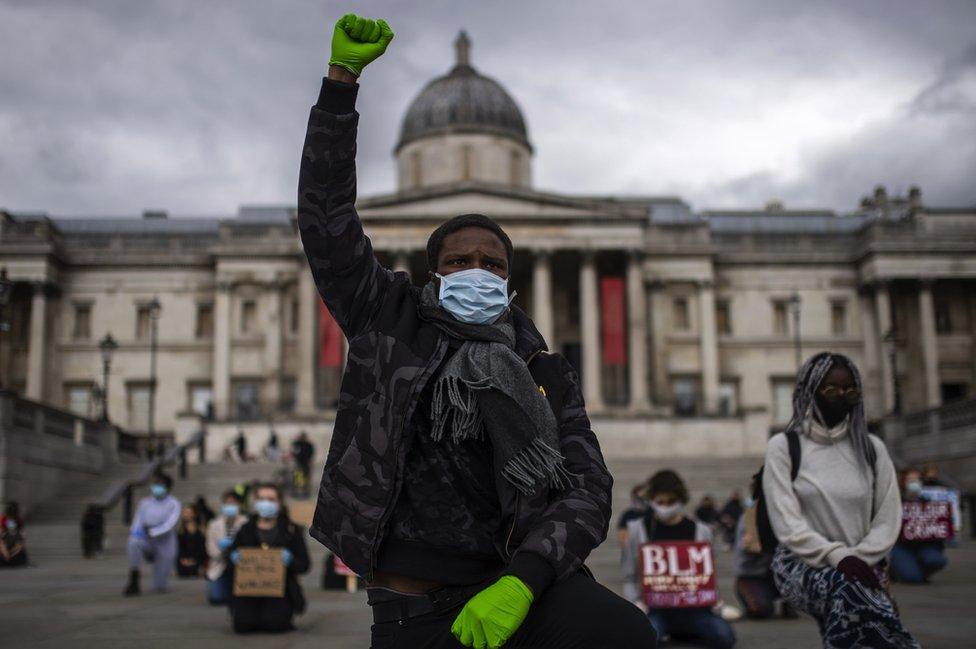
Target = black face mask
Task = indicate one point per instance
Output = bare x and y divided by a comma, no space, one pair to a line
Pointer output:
833,410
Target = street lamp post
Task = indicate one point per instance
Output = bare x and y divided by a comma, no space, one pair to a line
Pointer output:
890,339
794,303
154,309
107,346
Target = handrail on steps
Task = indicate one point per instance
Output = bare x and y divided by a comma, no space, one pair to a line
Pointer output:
122,489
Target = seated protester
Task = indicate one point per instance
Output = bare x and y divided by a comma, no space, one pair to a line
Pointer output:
838,516
92,531
12,511
666,521
638,506
728,518
913,562
220,536
191,556
270,528
12,552
706,512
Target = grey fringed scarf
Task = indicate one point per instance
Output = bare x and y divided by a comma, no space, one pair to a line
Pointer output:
485,387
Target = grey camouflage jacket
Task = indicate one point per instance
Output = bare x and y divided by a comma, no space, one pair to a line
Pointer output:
392,354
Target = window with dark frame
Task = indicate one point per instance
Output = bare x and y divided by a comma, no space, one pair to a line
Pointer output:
781,326
943,317
685,390
249,309
82,322
295,315
680,315
838,317
143,319
723,322
205,320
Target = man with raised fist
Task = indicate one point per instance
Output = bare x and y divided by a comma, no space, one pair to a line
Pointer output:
463,480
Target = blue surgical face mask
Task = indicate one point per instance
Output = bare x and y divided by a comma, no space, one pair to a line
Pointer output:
158,490
11,524
266,508
230,510
474,296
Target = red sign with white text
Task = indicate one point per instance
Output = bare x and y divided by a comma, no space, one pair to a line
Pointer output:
678,574
926,520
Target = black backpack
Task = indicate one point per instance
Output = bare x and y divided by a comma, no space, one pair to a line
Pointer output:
767,538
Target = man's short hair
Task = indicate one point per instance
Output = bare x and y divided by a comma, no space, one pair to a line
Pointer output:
667,482
436,240
161,478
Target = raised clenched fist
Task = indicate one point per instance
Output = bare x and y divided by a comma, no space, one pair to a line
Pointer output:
358,41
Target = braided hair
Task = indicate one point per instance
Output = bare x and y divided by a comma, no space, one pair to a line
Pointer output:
804,406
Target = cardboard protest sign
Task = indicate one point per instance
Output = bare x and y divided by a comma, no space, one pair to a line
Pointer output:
926,520
259,573
678,574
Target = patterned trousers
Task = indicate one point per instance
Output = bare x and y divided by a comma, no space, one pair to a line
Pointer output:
850,616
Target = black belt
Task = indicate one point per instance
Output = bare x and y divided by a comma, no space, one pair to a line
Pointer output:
389,605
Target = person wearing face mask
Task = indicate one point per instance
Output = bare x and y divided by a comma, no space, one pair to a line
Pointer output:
269,528
152,536
839,517
913,562
220,536
464,482
666,520
12,551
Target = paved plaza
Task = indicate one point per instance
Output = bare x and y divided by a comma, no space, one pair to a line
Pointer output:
66,601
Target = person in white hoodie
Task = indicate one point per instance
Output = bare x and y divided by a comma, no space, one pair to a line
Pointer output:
838,519
152,537
220,536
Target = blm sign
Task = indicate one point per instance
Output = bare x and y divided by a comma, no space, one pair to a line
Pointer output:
926,520
678,574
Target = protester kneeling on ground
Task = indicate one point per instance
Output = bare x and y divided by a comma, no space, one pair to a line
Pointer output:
666,521
839,515
269,528
12,552
913,561
220,536
152,537
191,555
754,584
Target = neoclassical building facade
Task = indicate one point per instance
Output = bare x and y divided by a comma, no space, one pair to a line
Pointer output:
686,326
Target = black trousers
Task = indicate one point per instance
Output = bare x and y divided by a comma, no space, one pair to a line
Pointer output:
578,613
269,614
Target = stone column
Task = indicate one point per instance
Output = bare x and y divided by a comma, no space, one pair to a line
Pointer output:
542,295
657,305
401,262
637,334
308,299
872,348
882,307
708,339
272,347
221,351
37,351
590,334
930,345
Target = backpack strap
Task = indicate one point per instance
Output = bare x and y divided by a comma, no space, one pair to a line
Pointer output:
793,439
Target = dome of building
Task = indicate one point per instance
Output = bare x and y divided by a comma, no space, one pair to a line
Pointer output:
463,101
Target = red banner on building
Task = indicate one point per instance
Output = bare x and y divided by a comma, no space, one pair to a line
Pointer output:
330,339
678,574
614,321
926,520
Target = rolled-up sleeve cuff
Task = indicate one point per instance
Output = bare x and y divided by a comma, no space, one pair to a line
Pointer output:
534,571
337,97
834,557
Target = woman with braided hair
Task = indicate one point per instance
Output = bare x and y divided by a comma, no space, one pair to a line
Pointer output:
839,515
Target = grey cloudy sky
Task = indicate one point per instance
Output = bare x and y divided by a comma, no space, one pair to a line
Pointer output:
199,106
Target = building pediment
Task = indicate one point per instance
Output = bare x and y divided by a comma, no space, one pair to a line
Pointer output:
496,201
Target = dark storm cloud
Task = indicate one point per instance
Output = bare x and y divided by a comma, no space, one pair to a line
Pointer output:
197,107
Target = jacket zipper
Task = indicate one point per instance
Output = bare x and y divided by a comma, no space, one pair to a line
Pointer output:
435,360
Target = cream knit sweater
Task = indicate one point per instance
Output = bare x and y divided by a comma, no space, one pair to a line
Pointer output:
825,514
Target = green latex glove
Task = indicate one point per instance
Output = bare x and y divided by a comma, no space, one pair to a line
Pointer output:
358,41
490,618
